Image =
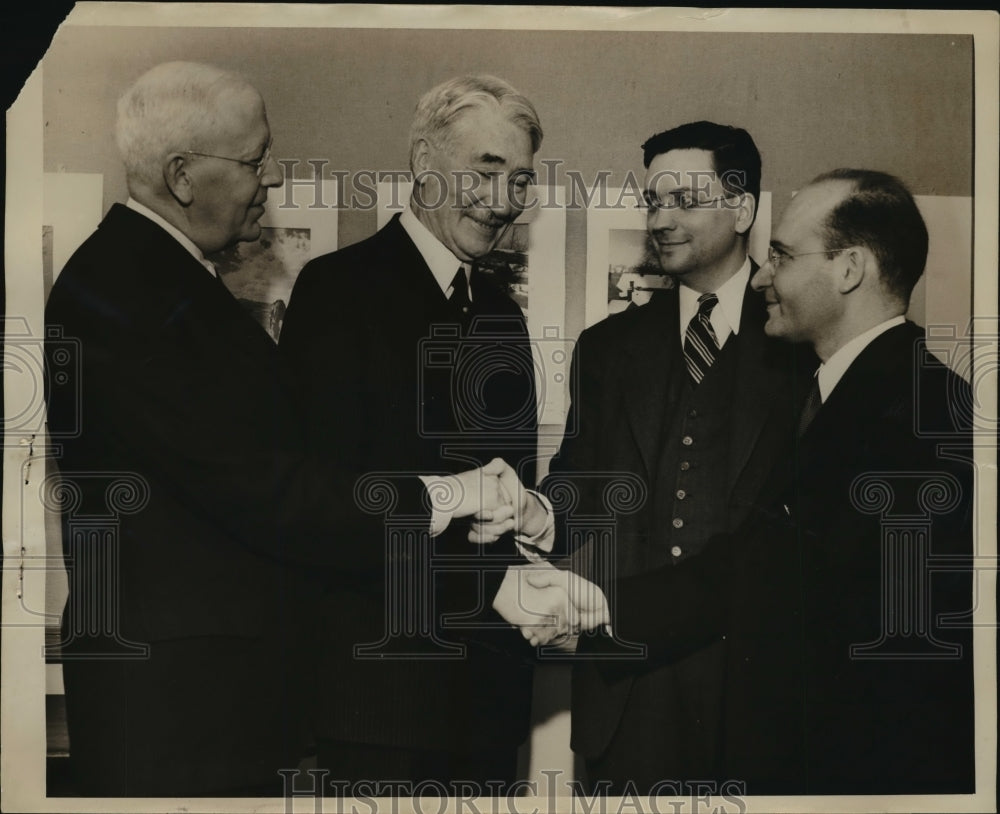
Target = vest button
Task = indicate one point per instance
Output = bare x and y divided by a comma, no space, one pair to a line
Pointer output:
687,440
678,523
676,551
685,466
681,494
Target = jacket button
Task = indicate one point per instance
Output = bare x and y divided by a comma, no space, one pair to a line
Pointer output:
687,440
685,466
681,494
676,551
678,523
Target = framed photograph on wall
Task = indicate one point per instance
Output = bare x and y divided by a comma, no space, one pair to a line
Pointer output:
622,271
530,260
261,273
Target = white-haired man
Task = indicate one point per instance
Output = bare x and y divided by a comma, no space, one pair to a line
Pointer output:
433,373
197,509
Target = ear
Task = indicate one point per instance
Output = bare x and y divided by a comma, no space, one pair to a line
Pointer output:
853,265
421,158
177,179
745,211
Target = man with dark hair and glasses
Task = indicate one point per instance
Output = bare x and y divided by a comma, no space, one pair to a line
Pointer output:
707,403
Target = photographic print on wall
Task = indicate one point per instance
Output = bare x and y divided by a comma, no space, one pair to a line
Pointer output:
261,273
622,271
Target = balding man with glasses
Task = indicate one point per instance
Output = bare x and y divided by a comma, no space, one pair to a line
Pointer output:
844,601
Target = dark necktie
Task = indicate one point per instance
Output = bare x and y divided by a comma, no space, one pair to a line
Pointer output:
700,343
460,295
809,409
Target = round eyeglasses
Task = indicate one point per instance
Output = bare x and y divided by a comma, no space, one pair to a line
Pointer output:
258,164
776,257
677,200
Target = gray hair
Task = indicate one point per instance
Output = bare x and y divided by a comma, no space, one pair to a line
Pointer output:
171,108
439,108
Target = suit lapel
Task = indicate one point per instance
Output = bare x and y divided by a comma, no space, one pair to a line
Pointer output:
647,370
869,386
179,281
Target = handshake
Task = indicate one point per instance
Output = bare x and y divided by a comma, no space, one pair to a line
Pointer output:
546,603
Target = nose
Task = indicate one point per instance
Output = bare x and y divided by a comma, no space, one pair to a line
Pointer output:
501,198
762,279
272,175
660,217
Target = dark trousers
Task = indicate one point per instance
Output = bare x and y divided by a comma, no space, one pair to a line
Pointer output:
410,772
200,717
670,730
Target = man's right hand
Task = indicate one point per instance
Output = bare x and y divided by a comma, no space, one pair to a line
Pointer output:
475,491
590,605
527,516
542,611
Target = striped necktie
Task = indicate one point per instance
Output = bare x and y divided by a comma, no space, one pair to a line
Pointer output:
700,343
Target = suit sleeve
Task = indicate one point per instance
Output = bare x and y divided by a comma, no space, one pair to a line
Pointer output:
212,420
579,482
334,357
819,545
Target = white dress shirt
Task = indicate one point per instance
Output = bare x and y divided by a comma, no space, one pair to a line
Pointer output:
726,315
438,257
443,265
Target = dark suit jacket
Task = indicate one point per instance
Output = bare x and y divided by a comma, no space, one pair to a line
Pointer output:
620,375
176,394
392,387
836,561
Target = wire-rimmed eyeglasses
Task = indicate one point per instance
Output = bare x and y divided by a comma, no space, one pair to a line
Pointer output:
258,164
776,257
676,200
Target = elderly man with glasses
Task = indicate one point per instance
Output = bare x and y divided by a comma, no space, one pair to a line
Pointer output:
195,512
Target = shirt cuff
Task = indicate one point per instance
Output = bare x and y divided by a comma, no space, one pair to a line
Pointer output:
441,496
544,540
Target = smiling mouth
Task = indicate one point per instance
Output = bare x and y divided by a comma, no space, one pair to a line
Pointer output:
488,226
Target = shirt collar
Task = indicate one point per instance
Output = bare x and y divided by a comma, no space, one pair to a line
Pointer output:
438,257
173,231
727,314
834,368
